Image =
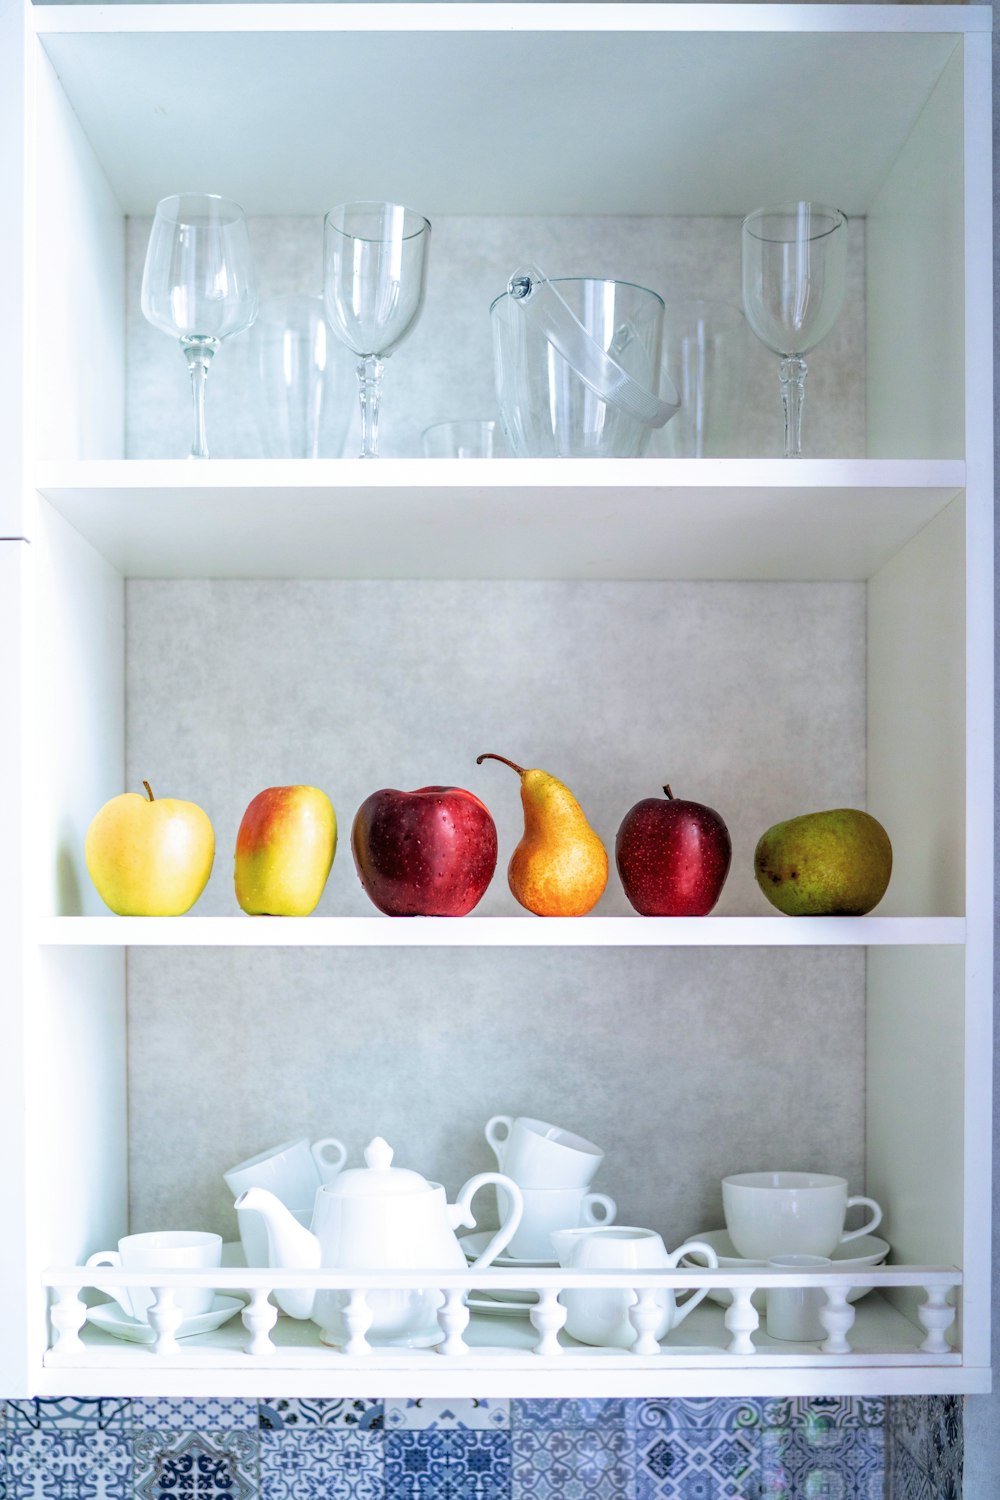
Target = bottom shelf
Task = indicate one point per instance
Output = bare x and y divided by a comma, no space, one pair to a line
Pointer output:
885,1358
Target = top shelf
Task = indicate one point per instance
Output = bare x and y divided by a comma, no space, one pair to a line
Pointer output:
507,518
706,89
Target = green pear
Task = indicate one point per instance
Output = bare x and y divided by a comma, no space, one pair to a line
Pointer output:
825,864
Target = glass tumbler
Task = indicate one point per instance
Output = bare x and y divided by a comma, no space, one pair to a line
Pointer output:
305,383
546,408
706,348
472,438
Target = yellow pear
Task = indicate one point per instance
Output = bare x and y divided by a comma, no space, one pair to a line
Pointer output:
560,867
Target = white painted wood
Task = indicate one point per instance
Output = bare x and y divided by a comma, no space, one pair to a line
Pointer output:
505,519
488,932
915,241
707,129
76,247
13,175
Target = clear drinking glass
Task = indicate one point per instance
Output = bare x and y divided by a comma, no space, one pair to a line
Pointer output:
705,352
375,272
198,284
471,438
794,274
305,384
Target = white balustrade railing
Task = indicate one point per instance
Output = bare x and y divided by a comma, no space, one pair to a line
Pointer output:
547,1316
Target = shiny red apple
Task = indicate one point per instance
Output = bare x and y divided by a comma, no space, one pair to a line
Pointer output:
673,856
428,853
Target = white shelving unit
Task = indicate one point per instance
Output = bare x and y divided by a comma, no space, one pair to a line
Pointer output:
103,109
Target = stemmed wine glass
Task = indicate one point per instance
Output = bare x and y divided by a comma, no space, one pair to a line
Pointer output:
198,284
794,265
375,270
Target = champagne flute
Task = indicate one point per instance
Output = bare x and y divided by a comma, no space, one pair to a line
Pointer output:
375,271
198,284
794,271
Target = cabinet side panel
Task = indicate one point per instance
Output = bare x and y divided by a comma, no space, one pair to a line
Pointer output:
79,279
12,265
915,283
916,711
916,1110
77,759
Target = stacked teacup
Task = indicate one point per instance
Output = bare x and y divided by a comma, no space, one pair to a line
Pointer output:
293,1172
553,1168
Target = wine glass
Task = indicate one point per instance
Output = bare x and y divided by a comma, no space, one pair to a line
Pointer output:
794,267
198,283
375,270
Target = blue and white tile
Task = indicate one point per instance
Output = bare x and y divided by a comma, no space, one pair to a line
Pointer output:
193,1414
443,1464
571,1463
803,1463
824,1413
69,1414
706,1464
196,1465
416,1414
314,1462
69,1465
649,1418
558,1414
362,1413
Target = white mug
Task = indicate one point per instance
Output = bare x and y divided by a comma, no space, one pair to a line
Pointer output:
601,1317
547,1209
539,1155
161,1250
292,1171
790,1213
793,1311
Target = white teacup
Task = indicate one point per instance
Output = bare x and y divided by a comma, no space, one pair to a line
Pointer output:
162,1250
790,1213
547,1209
292,1171
539,1155
601,1317
793,1311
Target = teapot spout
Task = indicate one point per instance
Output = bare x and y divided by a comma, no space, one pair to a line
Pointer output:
290,1247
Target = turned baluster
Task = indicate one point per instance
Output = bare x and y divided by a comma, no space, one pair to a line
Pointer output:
548,1315
358,1318
258,1320
165,1317
646,1315
837,1317
453,1316
741,1319
936,1316
68,1315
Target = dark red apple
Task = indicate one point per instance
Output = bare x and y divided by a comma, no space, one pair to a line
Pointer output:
428,853
673,857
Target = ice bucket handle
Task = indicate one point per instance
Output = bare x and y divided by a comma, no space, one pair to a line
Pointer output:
530,290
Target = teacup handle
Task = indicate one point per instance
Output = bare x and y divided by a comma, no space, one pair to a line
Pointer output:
329,1154
461,1213
110,1258
873,1223
598,1200
683,1308
498,1142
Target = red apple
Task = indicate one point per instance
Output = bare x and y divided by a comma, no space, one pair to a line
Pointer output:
428,853
673,857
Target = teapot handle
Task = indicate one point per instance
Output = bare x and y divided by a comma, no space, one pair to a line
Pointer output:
683,1308
461,1213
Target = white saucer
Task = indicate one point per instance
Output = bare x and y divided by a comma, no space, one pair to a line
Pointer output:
109,1316
496,1307
866,1250
474,1244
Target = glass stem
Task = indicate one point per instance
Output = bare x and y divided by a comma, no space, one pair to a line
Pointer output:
793,393
199,353
370,371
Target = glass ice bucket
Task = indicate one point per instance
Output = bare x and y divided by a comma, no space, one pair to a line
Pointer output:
577,366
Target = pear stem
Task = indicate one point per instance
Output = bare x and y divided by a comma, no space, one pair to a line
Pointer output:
149,790
668,792
489,756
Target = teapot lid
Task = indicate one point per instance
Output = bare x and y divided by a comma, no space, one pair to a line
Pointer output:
378,1178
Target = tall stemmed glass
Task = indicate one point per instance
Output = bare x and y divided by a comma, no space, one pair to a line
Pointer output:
198,284
794,266
375,271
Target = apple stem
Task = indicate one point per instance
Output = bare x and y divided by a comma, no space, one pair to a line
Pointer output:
149,790
490,756
668,792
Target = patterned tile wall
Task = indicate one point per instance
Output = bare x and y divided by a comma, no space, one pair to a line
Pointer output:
364,1449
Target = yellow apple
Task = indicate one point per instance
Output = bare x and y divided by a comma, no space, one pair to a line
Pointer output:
150,858
284,851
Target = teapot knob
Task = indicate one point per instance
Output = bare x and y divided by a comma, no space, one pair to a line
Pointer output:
378,1155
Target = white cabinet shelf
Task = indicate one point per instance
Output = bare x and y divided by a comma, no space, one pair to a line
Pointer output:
500,932
880,562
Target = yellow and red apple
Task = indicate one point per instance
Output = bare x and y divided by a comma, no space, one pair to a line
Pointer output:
284,851
150,857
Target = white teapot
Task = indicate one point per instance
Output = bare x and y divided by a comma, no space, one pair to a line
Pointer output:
374,1218
601,1317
